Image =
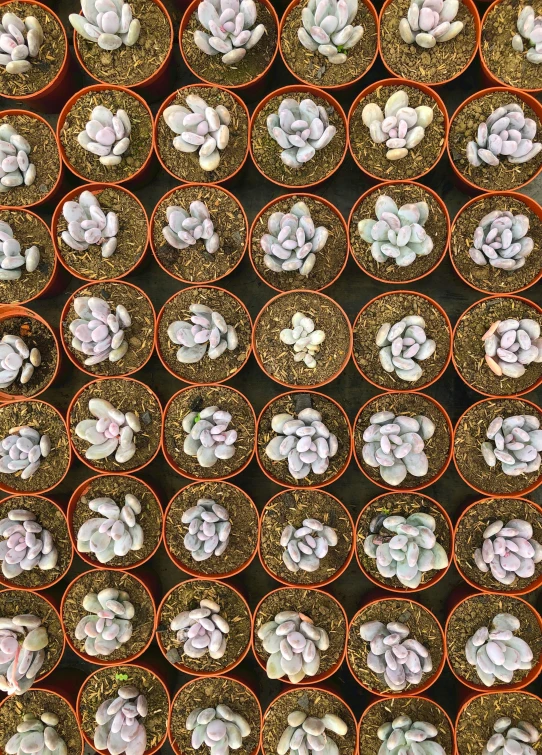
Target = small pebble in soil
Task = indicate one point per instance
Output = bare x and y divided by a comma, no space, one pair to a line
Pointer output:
109,24
209,528
514,442
293,240
306,442
185,229
202,630
304,338
15,167
496,652
505,134
508,738
199,128
511,345
207,332
501,238
413,737
403,345
98,332
301,129
508,550
430,22
397,233
88,225
22,652
112,432
17,361
106,135
307,734
328,28
22,451
529,28
294,645
401,127
307,545
231,27
19,40
208,437
26,544
37,735
406,547
107,625
120,723
396,445
114,533
219,728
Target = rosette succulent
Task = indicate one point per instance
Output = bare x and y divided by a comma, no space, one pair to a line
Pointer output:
209,529
115,533
37,735
219,728
120,723
107,625
15,166
512,738
207,332
511,345
231,27
496,652
185,229
26,545
307,734
505,134
112,432
22,451
107,135
109,23
12,259
529,27
22,652
401,127
294,645
501,239
88,225
305,546
328,28
403,345
98,332
293,240
17,361
19,40
402,733
304,339
202,630
508,550
301,129
208,437
514,442
429,22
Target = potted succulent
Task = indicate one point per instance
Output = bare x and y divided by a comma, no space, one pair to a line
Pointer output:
220,545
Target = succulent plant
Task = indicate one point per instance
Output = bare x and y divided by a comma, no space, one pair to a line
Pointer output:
396,445
327,28
511,345
231,27
515,442
301,129
106,134
305,546
430,21
114,533
405,547
506,133
89,225
19,40
17,361
306,442
402,733
530,28
199,128
12,260
508,738
219,728
26,544
307,734
22,652
202,630
185,229
208,436
294,645
22,451
37,735
15,166
509,550
209,529
112,432
107,625
206,333
109,23
304,338
501,239
120,723
98,332
496,652
293,240
400,126
403,345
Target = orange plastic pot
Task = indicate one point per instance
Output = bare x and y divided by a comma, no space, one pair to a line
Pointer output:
347,353
407,590
448,323
466,184
142,172
394,83
75,497
309,681
305,90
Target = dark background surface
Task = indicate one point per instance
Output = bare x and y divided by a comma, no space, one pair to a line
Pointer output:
352,291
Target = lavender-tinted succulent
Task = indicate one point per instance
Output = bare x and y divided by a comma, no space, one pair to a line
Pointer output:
208,437
430,21
328,28
22,652
410,737
107,626
185,229
207,332
403,345
505,134
121,723
107,135
17,361
209,528
530,28
508,550
115,532
501,239
401,127
231,27
508,738
294,645
15,166
26,545
202,630
304,339
396,657
12,259
219,728
496,652
112,432
199,128
22,451
515,443
19,41
307,734
37,735
511,345
88,225
301,129
109,23
293,241
98,332
305,546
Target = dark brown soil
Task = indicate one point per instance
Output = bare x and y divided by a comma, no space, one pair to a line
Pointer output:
463,130
206,370
291,507
373,156
479,611
131,239
242,421
89,165
423,627
36,335
403,504
335,421
266,151
186,597
29,231
436,448
436,226
116,487
195,264
128,66
469,533
185,166
470,433
469,348
127,396
244,532
491,279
